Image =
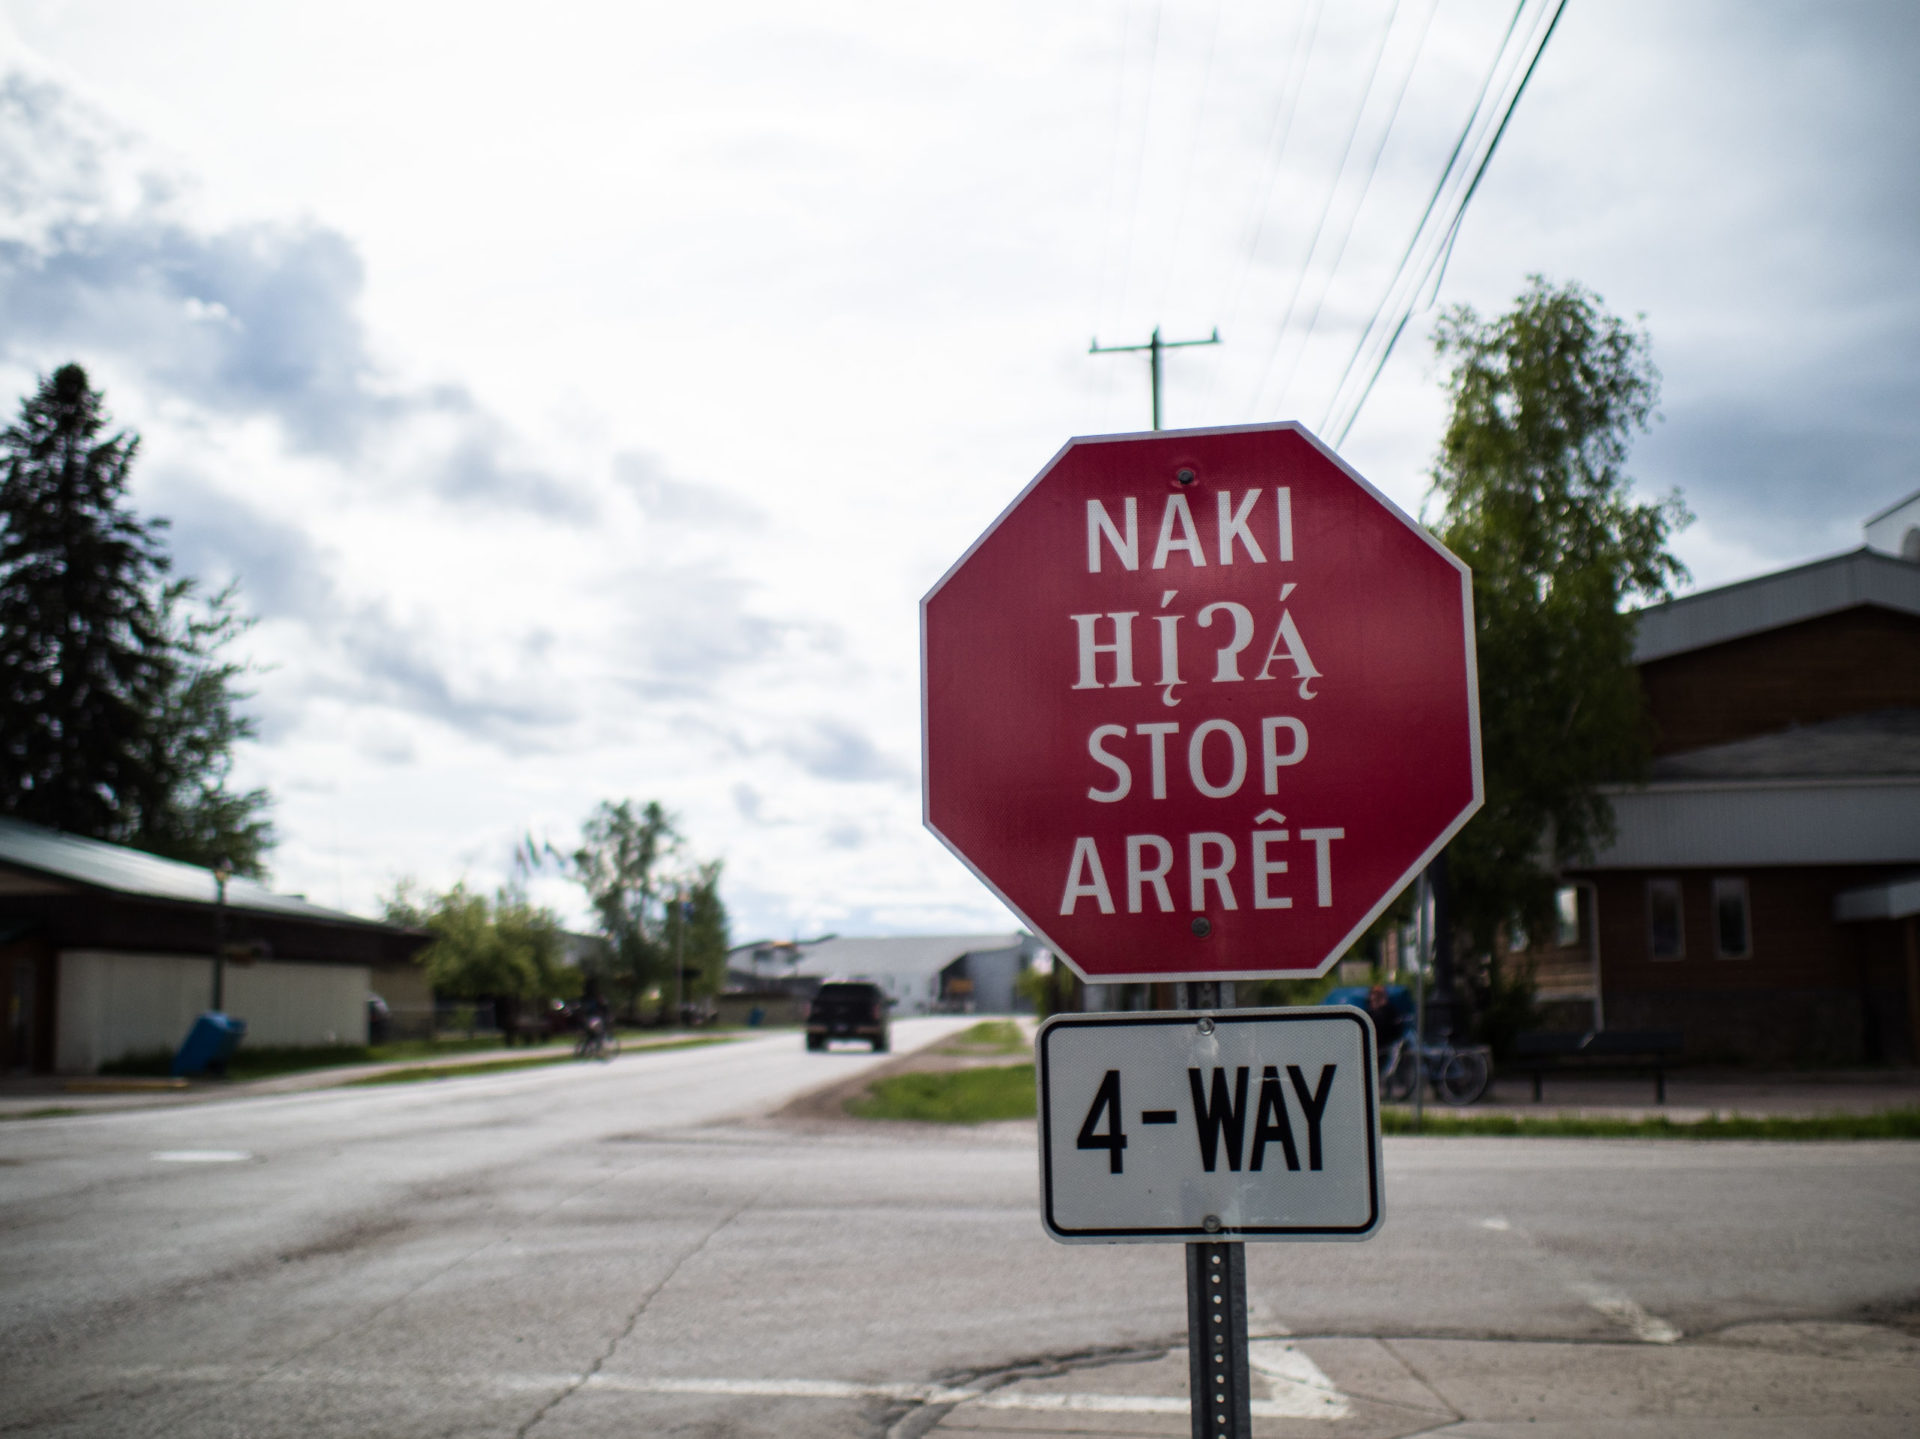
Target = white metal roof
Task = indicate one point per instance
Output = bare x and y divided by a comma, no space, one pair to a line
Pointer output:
1691,824
99,865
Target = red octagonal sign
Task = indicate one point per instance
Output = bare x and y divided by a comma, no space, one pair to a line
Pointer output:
1199,704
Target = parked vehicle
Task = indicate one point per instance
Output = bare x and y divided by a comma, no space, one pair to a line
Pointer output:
848,1009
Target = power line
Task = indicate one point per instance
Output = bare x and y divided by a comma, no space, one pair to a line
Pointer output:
1459,214
1193,155
1366,185
1326,208
1279,136
1439,189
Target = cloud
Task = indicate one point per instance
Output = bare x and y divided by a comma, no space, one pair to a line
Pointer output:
388,662
255,319
671,501
216,537
828,749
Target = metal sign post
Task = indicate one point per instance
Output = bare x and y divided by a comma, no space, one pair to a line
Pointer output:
1198,706
1219,1375
1210,1127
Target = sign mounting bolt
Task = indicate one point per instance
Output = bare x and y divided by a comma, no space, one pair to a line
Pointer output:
1202,927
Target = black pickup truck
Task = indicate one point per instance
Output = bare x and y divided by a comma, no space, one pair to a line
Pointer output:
848,1009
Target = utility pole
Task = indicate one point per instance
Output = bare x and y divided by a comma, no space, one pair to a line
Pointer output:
1153,347
222,872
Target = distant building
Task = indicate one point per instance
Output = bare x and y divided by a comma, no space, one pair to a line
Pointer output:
1762,892
922,974
107,952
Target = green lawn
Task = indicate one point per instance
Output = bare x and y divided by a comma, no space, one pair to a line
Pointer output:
989,1036
957,1096
416,1072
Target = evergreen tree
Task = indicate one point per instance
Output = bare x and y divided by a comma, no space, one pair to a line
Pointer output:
116,712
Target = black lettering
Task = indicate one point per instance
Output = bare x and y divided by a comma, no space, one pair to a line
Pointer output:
1273,1101
1107,1099
1313,1106
1221,1114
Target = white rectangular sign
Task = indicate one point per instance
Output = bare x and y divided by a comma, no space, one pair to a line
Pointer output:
1258,1124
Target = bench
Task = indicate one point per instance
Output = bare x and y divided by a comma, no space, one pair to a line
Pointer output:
1628,1049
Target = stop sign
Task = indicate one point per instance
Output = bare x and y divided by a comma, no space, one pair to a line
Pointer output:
1199,704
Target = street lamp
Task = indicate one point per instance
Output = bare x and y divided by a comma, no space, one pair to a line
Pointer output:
222,872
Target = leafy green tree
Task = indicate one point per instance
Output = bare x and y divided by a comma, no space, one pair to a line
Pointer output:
696,931
1534,497
502,947
632,862
117,716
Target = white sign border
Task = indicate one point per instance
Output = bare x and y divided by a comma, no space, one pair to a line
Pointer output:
1345,943
1260,1234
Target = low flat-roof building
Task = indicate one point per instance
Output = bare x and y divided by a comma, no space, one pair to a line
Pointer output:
921,973
107,952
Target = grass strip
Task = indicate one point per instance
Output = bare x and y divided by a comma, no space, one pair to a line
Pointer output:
989,1036
413,1073
56,1112
1887,1124
956,1096
975,1096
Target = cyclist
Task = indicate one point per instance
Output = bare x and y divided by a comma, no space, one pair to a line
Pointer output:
1386,1020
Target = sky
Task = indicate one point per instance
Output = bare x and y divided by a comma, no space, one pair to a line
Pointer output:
583,396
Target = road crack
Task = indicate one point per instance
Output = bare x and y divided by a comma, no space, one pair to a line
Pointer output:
587,1375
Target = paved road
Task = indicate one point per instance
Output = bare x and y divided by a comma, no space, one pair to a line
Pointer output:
632,1249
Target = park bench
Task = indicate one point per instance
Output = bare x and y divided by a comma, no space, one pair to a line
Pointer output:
1623,1049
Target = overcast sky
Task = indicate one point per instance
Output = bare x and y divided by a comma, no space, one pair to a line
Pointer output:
584,395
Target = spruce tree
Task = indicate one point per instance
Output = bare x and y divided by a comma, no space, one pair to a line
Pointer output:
116,714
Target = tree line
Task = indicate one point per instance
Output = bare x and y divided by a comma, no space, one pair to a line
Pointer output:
658,919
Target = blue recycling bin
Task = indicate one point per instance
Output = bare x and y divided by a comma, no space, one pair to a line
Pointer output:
209,1045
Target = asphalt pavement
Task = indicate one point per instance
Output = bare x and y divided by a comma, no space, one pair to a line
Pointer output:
638,1248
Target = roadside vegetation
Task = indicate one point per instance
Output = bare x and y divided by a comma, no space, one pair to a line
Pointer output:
981,1094
412,1074
955,1096
989,1036
270,1061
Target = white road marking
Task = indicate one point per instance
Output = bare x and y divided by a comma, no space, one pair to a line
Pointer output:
1297,1387
1496,1224
201,1156
1647,1328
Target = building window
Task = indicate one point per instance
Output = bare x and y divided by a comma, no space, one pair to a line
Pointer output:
1732,932
1664,928
1566,917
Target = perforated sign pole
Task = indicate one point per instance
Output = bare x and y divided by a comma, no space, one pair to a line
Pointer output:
1219,1376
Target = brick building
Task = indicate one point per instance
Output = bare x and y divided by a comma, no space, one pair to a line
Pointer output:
1762,892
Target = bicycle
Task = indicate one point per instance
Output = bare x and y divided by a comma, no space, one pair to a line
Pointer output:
1458,1076
597,1041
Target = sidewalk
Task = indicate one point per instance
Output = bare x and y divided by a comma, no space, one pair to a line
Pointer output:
47,1095
1798,1379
